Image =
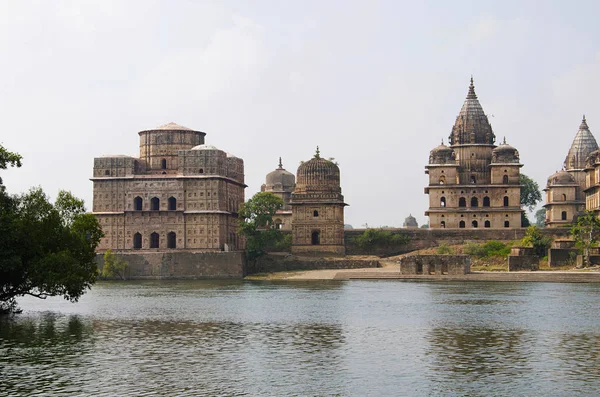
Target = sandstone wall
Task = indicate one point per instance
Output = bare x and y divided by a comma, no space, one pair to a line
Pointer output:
435,264
283,263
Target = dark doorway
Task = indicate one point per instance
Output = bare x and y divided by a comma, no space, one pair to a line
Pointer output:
137,241
461,224
154,240
474,202
163,164
486,201
154,204
474,224
486,224
137,203
506,201
505,179
171,240
172,203
316,238
462,202
506,224
563,215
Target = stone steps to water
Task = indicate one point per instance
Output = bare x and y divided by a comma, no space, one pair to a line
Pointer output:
552,277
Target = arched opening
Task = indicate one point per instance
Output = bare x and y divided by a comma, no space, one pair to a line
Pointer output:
443,224
563,215
564,197
473,180
461,224
474,202
107,173
474,224
163,164
486,224
137,241
171,240
505,179
315,213
172,203
201,171
154,240
442,180
506,201
278,223
155,204
137,203
486,201
443,202
316,237
462,202
506,223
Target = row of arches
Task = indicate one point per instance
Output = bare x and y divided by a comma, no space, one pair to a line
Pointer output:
462,202
138,204
155,240
474,224
474,180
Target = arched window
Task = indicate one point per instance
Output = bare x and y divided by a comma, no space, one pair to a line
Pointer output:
137,241
473,180
486,201
107,173
474,202
462,202
163,164
474,224
442,180
564,197
506,224
316,237
443,202
506,201
505,179
172,203
315,213
563,215
154,240
201,171
171,240
486,224
155,204
443,224
137,203
461,224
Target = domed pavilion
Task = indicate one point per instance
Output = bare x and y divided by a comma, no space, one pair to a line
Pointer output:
281,183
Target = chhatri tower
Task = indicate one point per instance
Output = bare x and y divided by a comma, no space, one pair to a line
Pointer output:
473,183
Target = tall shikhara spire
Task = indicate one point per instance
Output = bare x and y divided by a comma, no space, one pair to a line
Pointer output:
583,144
472,125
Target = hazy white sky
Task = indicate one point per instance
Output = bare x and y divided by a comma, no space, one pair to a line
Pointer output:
376,84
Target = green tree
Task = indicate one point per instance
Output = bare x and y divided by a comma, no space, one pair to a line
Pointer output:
540,218
530,192
113,266
535,239
44,249
256,223
585,232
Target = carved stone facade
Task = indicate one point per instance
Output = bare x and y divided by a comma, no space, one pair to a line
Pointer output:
566,189
179,194
281,183
473,183
318,209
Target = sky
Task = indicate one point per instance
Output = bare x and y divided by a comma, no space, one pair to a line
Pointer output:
375,84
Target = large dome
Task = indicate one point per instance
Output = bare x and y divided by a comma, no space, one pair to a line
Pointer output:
583,144
280,177
472,125
561,178
318,174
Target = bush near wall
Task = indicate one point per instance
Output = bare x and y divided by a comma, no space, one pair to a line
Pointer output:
372,240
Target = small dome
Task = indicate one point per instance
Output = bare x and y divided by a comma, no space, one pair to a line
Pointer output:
561,178
204,147
505,153
318,174
410,221
171,127
442,154
280,177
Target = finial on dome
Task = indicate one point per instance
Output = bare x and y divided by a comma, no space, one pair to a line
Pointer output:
280,164
504,141
471,94
584,125
317,153
442,141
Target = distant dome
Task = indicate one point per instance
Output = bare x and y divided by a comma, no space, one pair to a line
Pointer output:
505,153
410,221
171,127
561,178
442,154
318,174
204,147
280,177
583,144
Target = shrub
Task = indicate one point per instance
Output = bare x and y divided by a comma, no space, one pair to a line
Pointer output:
534,238
488,249
379,238
443,249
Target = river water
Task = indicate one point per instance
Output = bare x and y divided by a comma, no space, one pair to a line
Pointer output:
358,338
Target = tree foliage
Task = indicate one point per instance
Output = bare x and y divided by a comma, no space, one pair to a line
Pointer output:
256,223
113,266
585,232
45,249
373,238
530,192
540,218
535,239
